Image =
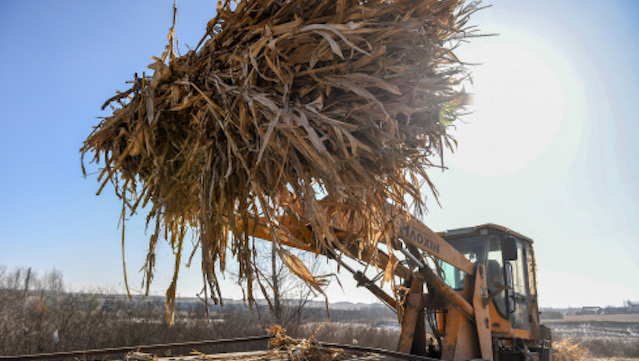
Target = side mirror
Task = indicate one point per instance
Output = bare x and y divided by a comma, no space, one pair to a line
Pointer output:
509,248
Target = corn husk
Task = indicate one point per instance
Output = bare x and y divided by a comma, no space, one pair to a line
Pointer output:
311,108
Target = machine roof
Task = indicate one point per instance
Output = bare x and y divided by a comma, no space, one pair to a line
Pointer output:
471,230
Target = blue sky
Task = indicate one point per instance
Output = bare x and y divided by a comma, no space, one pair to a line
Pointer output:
550,149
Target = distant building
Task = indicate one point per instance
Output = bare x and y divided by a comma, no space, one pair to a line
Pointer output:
590,310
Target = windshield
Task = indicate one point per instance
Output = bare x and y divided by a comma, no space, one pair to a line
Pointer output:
474,249
485,250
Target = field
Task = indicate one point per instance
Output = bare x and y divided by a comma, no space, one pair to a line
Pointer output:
43,318
603,336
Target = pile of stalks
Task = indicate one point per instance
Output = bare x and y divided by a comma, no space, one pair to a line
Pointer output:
301,107
569,350
287,348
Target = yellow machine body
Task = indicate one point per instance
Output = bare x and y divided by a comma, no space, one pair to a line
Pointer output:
474,287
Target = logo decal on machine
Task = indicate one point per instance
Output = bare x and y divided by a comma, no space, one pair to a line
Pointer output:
410,233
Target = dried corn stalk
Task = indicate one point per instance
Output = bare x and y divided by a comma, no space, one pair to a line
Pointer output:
282,104
305,349
569,350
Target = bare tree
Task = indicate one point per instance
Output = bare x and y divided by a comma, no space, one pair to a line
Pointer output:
289,296
53,281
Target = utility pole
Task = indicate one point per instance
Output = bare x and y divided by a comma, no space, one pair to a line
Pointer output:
277,306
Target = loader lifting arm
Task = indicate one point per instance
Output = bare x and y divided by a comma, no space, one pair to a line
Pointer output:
476,317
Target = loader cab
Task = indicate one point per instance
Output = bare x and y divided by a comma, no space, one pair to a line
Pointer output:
510,276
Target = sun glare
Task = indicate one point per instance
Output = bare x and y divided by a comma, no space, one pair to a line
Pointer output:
517,112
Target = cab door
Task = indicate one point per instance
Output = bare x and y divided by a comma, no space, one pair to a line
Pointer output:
516,272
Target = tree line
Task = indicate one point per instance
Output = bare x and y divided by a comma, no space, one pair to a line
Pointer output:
37,315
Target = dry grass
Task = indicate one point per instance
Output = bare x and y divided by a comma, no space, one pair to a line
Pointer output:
306,107
595,349
569,350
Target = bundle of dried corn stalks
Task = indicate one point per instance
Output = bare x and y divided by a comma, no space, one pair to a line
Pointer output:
281,105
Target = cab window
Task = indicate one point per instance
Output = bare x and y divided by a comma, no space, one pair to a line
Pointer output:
495,274
474,249
518,296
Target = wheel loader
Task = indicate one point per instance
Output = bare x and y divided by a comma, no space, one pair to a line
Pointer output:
473,289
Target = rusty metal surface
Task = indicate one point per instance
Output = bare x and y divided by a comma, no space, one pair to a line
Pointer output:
270,355
142,348
138,353
482,316
409,322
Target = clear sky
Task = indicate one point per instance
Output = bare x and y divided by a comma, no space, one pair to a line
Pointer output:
550,150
